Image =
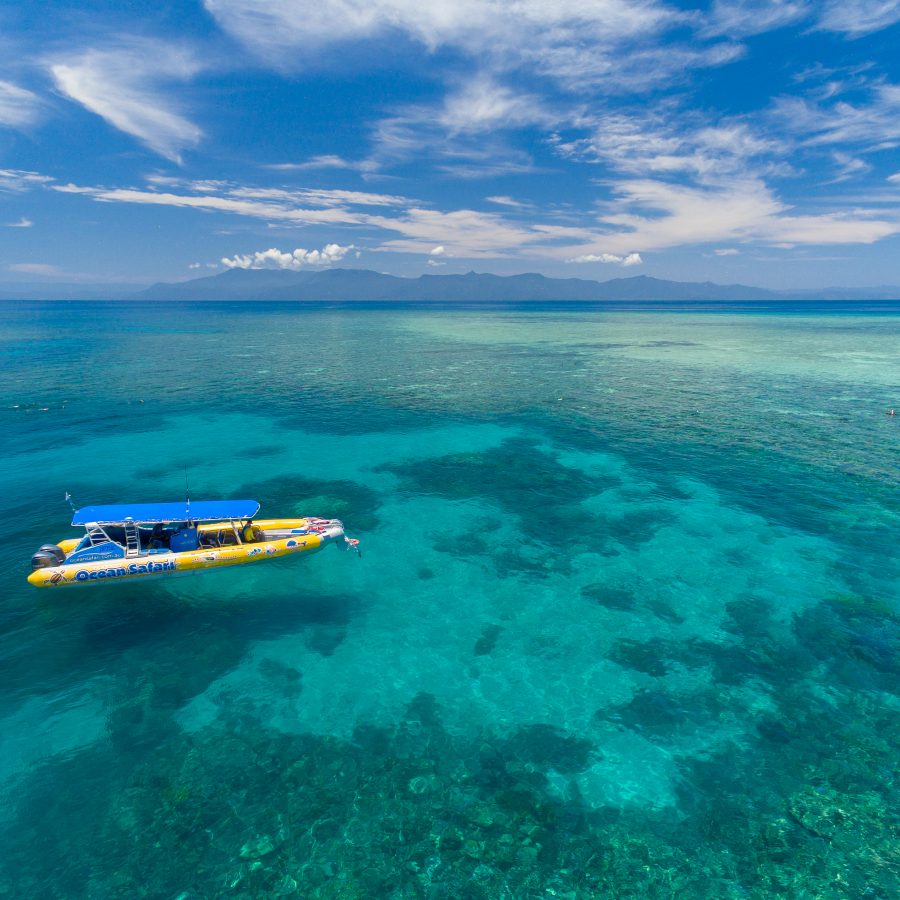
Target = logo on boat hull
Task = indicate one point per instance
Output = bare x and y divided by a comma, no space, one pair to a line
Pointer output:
121,572
135,569
85,575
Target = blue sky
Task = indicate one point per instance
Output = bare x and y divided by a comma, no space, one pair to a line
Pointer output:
733,141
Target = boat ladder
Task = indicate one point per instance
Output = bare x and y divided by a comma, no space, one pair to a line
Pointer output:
132,540
96,535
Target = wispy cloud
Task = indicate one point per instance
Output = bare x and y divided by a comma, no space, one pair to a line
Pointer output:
742,18
19,108
273,205
644,214
258,209
502,166
655,215
502,200
483,27
582,46
19,180
849,166
853,18
316,197
673,142
483,104
858,17
284,259
324,197
872,122
466,134
325,161
128,85
463,233
632,259
44,269
22,223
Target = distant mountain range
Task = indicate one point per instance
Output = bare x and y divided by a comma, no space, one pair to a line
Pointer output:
366,285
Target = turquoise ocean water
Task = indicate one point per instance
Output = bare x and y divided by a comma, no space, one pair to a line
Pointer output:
626,624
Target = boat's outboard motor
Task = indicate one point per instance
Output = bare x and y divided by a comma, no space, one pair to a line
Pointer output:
48,555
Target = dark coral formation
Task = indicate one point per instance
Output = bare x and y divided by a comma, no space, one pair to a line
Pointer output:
355,504
411,811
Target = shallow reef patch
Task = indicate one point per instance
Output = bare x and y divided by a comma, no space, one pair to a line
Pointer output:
355,504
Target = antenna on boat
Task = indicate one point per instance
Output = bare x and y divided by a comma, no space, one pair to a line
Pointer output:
69,501
187,493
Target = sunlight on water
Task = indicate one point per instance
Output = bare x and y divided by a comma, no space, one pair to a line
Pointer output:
626,623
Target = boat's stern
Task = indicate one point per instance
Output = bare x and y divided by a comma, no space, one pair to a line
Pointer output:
49,576
326,531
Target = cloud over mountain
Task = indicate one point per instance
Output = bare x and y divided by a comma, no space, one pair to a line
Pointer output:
294,259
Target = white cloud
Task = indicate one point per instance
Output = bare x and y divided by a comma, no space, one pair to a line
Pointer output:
18,107
848,166
210,203
657,215
36,269
18,180
508,201
726,251
525,33
583,45
437,251
858,17
895,178
317,197
500,166
853,18
483,104
22,223
465,233
644,212
271,206
465,135
281,259
435,263
194,265
673,142
632,69
742,18
129,86
694,184
459,232
326,161
873,124
632,259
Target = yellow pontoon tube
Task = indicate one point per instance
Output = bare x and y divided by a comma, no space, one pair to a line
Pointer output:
126,542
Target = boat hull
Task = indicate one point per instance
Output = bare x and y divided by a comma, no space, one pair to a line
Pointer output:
301,538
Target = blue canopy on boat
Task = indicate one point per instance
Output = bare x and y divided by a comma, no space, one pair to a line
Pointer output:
196,510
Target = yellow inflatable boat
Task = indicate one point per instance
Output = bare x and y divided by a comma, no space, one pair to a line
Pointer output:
128,542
